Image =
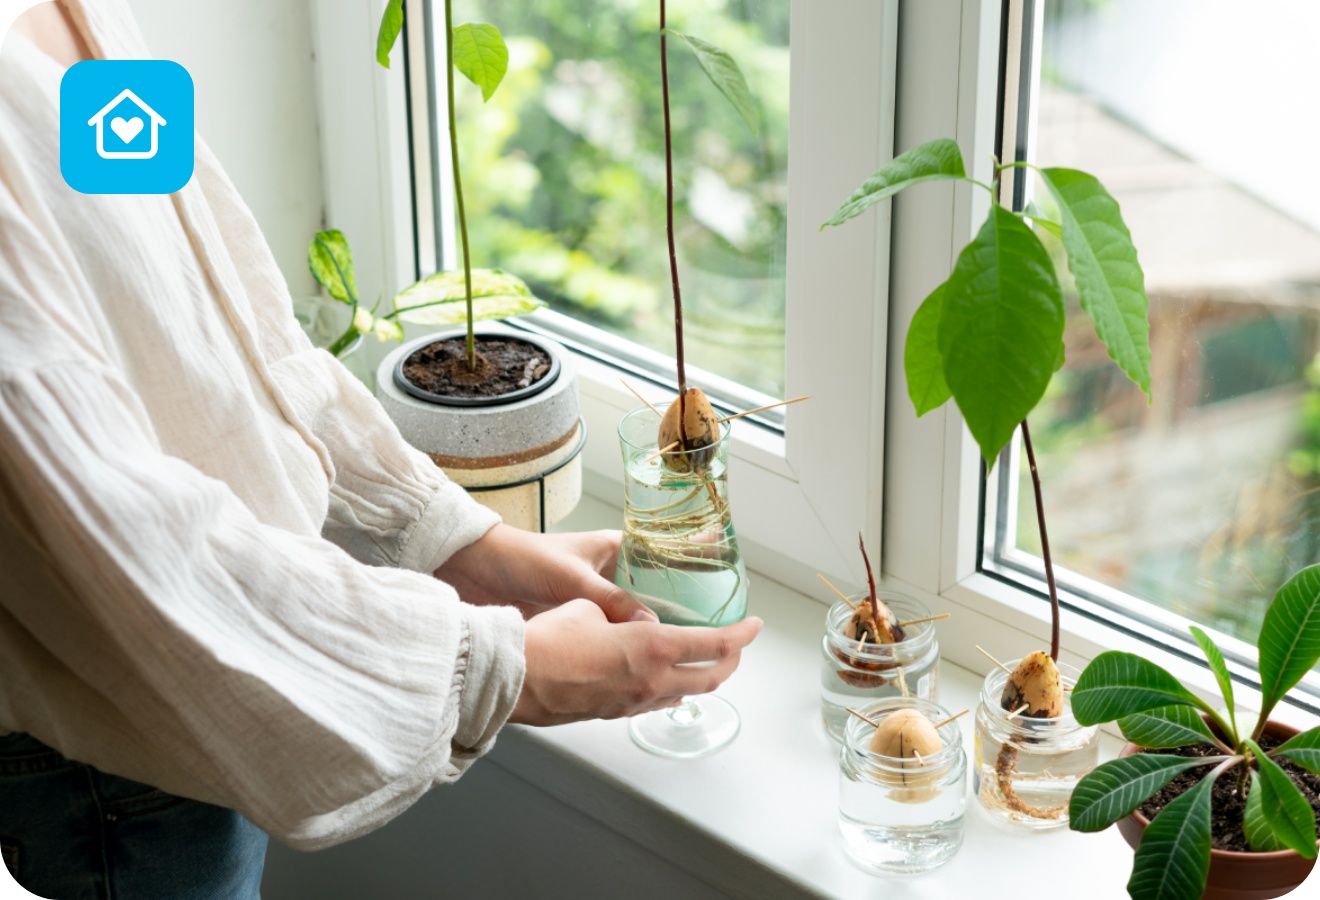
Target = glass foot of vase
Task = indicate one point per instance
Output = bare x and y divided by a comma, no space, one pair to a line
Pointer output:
696,728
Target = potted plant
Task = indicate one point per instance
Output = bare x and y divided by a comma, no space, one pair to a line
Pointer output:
1224,813
990,338
496,409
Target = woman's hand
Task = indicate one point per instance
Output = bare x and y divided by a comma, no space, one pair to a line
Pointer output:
534,572
580,666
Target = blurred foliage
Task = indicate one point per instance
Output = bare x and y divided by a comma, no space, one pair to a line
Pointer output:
563,173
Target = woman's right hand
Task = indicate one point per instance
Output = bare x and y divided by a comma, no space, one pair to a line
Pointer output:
582,666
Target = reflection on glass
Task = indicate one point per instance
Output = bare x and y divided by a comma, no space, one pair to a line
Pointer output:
1208,498
563,173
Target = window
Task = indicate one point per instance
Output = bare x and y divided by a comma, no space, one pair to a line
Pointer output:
565,174
568,161
1204,501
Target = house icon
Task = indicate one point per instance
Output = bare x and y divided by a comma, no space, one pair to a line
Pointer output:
126,129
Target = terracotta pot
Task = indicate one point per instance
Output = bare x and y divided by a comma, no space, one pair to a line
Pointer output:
1238,876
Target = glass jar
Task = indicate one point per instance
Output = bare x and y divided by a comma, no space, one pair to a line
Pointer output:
901,815
853,673
679,553
1026,768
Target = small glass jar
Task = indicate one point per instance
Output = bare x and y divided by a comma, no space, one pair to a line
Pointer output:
901,815
1026,768
853,673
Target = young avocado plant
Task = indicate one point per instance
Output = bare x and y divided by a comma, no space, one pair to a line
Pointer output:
690,423
1156,712
479,52
990,336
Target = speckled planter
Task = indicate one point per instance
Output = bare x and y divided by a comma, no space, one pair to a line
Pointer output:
511,443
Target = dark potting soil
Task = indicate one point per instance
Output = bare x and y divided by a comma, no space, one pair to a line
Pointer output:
503,366
1226,808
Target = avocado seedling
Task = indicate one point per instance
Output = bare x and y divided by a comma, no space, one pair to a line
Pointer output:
874,628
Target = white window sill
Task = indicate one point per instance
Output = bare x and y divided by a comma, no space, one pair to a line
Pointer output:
759,817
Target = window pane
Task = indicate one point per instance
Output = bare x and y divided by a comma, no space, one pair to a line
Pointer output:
1208,498
564,174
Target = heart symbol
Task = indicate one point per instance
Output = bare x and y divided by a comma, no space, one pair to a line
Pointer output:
127,130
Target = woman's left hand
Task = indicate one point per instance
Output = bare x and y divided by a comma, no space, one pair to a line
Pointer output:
535,572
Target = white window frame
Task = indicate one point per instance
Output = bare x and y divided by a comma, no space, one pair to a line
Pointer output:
846,460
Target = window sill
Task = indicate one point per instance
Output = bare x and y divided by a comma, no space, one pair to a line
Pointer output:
759,818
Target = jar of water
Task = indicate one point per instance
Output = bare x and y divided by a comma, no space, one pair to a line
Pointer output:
901,814
1026,768
854,672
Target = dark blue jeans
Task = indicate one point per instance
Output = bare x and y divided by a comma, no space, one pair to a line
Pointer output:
69,832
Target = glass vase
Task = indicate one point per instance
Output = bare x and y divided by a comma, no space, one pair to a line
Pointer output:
1026,768
852,673
680,557
901,815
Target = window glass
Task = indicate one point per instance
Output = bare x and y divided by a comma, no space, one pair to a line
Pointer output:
1204,500
564,173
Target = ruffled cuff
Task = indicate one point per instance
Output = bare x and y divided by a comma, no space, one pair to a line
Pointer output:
492,678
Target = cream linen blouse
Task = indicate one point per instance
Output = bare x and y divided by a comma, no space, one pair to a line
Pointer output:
206,525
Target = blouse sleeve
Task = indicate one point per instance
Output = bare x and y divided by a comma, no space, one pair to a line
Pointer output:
390,505
157,630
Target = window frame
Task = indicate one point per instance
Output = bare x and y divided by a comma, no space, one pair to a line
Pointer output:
795,472
847,460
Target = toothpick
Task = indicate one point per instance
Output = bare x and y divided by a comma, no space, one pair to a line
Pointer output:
993,660
866,719
950,719
1019,710
660,453
761,409
836,590
927,619
917,754
641,398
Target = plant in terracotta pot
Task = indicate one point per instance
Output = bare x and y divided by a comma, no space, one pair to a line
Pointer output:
990,338
496,409
1230,810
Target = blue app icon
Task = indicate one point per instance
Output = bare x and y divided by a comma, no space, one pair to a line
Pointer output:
126,127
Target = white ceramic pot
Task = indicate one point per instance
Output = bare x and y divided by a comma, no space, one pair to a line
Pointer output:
518,455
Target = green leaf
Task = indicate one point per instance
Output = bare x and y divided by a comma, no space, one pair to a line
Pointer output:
387,330
724,73
1166,727
1220,668
1038,217
1118,684
1290,637
390,25
1303,749
1260,835
921,356
331,261
1000,329
363,320
1174,857
481,55
1111,791
440,299
1103,261
935,160
1289,816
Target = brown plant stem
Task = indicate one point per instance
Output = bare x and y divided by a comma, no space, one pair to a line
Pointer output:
870,580
669,225
458,183
1044,544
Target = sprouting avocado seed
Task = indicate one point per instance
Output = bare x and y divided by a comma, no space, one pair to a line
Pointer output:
1035,682
700,428
906,734
863,626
